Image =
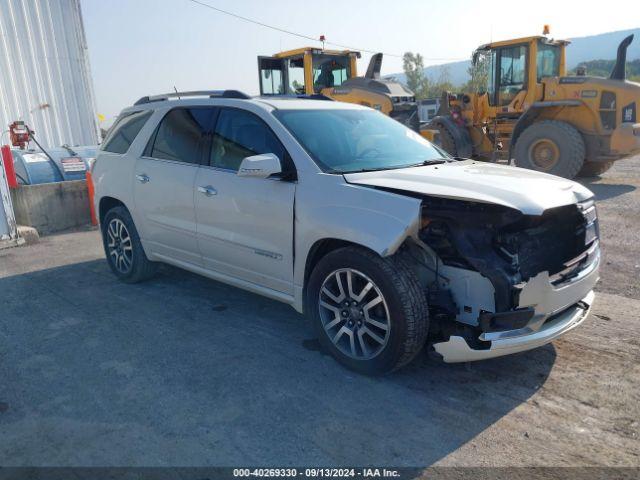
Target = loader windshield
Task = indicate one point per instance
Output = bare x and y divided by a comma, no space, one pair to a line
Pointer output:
345,140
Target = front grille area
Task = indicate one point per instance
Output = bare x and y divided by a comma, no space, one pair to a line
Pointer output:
510,248
558,241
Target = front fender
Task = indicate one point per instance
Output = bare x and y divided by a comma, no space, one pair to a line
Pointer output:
375,219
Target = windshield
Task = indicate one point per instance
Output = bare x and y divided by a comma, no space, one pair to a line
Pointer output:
329,71
342,141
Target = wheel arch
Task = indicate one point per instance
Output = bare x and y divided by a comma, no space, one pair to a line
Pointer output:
107,203
548,110
323,247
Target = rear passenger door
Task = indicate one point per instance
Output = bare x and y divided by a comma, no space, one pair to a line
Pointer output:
245,225
164,183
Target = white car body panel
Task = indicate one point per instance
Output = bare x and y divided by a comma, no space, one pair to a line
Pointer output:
164,203
378,220
525,190
246,228
257,233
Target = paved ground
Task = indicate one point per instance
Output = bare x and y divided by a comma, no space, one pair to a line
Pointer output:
182,370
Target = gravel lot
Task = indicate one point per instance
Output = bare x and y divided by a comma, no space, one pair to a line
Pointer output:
182,370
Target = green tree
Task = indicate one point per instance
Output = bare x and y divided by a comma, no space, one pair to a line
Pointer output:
413,66
443,84
479,74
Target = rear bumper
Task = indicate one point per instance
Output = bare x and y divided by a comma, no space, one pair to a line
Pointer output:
625,140
456,349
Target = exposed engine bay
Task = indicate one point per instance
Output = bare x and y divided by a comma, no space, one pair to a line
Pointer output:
486,255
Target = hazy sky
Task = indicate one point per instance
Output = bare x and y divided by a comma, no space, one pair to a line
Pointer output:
142,47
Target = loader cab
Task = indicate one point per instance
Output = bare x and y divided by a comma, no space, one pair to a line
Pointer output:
305,71
516,68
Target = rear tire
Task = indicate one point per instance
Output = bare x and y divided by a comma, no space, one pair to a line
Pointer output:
593,169
551,146
123,249
399,318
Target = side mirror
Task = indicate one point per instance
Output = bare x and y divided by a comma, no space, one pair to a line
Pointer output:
260,166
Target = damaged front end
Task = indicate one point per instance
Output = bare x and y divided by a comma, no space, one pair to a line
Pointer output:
503,281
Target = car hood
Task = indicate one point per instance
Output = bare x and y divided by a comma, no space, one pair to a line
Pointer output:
528,191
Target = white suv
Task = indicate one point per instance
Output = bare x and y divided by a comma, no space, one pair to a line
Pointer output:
379,237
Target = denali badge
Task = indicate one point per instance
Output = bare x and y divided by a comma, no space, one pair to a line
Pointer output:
264,253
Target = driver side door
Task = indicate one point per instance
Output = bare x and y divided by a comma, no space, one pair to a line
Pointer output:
244,224
508,75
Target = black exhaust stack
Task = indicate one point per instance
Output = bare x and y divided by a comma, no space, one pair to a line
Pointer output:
375,64
619,69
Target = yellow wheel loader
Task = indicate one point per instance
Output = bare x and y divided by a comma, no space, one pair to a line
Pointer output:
333,74
535,114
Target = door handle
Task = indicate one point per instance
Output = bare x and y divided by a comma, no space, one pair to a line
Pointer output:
143,178
209,191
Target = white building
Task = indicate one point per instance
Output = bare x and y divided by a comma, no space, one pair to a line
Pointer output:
45,79
428,108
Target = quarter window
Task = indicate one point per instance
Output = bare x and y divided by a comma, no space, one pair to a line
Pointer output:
182,135
241,134
547,61
124,131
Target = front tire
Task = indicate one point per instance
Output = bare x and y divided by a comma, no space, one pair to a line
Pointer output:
123,249
551,146
370,313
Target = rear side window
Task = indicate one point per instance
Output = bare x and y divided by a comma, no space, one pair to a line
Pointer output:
124,132
182,135
241,134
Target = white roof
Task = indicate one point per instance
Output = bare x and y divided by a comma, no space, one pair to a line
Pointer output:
266,103
306,104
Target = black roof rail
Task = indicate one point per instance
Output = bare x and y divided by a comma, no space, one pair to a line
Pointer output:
201,93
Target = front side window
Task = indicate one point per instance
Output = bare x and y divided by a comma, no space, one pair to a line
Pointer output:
240,134
341,140
271,76
182,135
124,131
512,74
491,81
295,72
547,61
330,71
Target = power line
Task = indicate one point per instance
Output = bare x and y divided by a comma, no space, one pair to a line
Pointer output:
300,35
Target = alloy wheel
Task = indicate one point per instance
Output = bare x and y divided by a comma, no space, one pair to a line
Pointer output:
119,245
354,314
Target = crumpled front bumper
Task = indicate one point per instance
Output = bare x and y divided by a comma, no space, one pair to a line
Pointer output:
558,309
456,349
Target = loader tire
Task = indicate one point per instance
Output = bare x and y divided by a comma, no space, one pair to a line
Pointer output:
551,146
593,169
